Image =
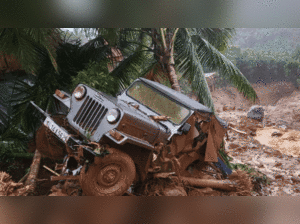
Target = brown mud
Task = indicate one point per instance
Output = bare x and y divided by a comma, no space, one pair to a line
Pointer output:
268,152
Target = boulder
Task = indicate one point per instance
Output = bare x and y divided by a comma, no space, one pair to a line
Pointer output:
256,112
283,127
276,133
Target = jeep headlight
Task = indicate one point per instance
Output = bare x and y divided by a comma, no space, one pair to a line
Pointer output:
79,92
113,116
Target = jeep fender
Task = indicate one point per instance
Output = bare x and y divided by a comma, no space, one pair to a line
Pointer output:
121,138
63,99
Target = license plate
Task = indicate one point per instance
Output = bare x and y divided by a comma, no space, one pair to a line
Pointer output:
62,134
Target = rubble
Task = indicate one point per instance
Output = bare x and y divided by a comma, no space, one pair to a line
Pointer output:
10,188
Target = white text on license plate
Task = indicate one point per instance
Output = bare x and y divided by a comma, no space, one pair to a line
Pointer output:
63,135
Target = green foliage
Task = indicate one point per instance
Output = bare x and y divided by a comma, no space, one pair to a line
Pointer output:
19,120
26,45
194,50
193,56
257,176
225,157
97,76
101,152
266,65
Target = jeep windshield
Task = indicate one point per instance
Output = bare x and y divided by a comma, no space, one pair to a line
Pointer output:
158,102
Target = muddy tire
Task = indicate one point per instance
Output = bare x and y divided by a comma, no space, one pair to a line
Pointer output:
111,176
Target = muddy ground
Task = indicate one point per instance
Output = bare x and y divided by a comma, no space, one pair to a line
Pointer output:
275,156
270,162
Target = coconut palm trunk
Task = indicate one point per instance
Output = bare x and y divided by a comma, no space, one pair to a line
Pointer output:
173,77
34,170
165,45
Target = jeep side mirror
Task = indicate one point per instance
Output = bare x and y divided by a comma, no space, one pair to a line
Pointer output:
185,128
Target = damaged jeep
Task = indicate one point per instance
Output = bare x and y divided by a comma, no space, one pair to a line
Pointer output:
109,143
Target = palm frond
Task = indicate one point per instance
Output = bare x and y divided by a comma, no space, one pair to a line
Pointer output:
189,64
131,67
213,59
12,137
26,44
156,73
137,63
14,140
95,49
218,37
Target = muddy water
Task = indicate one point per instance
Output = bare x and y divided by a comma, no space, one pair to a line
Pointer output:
288,143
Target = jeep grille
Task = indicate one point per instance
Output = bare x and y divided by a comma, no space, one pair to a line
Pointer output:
90,115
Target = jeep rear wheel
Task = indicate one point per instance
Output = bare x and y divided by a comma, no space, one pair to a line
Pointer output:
112,176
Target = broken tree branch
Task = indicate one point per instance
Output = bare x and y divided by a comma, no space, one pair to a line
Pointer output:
24,177
241,132
52,171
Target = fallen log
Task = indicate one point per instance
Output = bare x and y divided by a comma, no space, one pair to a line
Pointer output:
34,170
218,184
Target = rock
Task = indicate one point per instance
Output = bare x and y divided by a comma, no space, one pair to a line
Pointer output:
276,133
226,107
282,126
256,112
176,191
279,176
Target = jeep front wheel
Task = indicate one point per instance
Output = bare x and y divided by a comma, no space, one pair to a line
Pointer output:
111,176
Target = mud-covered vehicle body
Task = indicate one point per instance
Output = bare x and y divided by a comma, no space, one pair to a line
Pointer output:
147,130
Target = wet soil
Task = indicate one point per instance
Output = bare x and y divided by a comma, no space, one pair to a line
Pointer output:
271,163
269,147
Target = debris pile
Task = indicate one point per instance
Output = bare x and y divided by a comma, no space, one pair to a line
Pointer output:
69,188
10,188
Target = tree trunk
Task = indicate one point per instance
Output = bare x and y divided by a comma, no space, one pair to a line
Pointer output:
173,77
34,169
218,184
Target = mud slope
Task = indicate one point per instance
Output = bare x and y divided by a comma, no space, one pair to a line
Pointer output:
269,94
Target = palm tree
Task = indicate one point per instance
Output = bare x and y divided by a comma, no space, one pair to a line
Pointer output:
17,116
167,53
24,45
21,50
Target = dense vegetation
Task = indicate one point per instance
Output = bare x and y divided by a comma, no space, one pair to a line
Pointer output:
267,55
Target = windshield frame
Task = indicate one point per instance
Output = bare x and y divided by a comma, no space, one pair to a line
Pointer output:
164,95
